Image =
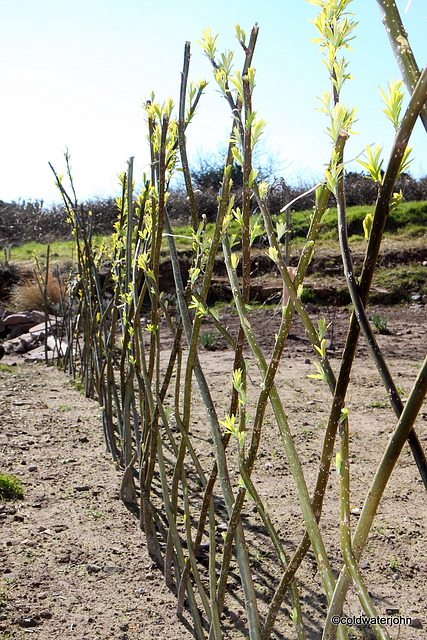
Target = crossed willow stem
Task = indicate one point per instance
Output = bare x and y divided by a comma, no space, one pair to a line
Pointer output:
137,430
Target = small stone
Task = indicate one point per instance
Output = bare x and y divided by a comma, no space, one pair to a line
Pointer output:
235,616
392,612
416,623
396,576
93,568
32,467
124,626
27,622
45,614
355,511
112,569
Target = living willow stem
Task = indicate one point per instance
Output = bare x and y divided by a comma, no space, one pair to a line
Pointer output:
344,463
363,321
401,48
377,488
181,137
310,521
381,212
241,551
250,487
330,435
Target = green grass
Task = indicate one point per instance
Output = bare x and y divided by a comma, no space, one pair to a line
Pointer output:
409,218
379,404
61,251
380,321
405,224
209,340
6,368
10,487
403,280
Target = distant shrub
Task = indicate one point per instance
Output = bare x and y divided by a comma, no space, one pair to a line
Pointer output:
27,221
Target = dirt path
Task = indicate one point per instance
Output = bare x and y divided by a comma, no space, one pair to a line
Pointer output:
73,560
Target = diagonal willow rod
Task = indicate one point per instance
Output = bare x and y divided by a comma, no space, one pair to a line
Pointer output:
401,48
294,461
402,137
378,486
242,557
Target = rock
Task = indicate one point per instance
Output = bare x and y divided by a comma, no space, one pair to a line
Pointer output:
38,355
24,317
32,467
53,324
93,568
416,623
26,342
54,344
109,571
27,622
18,330
27,332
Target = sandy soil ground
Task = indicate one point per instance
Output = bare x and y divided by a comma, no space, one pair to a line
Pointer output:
73,560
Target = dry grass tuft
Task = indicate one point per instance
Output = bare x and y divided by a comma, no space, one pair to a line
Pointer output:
28,296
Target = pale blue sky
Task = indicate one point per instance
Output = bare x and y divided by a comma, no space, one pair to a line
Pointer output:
74,72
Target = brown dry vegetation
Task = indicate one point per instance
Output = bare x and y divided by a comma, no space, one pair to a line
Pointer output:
31,294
